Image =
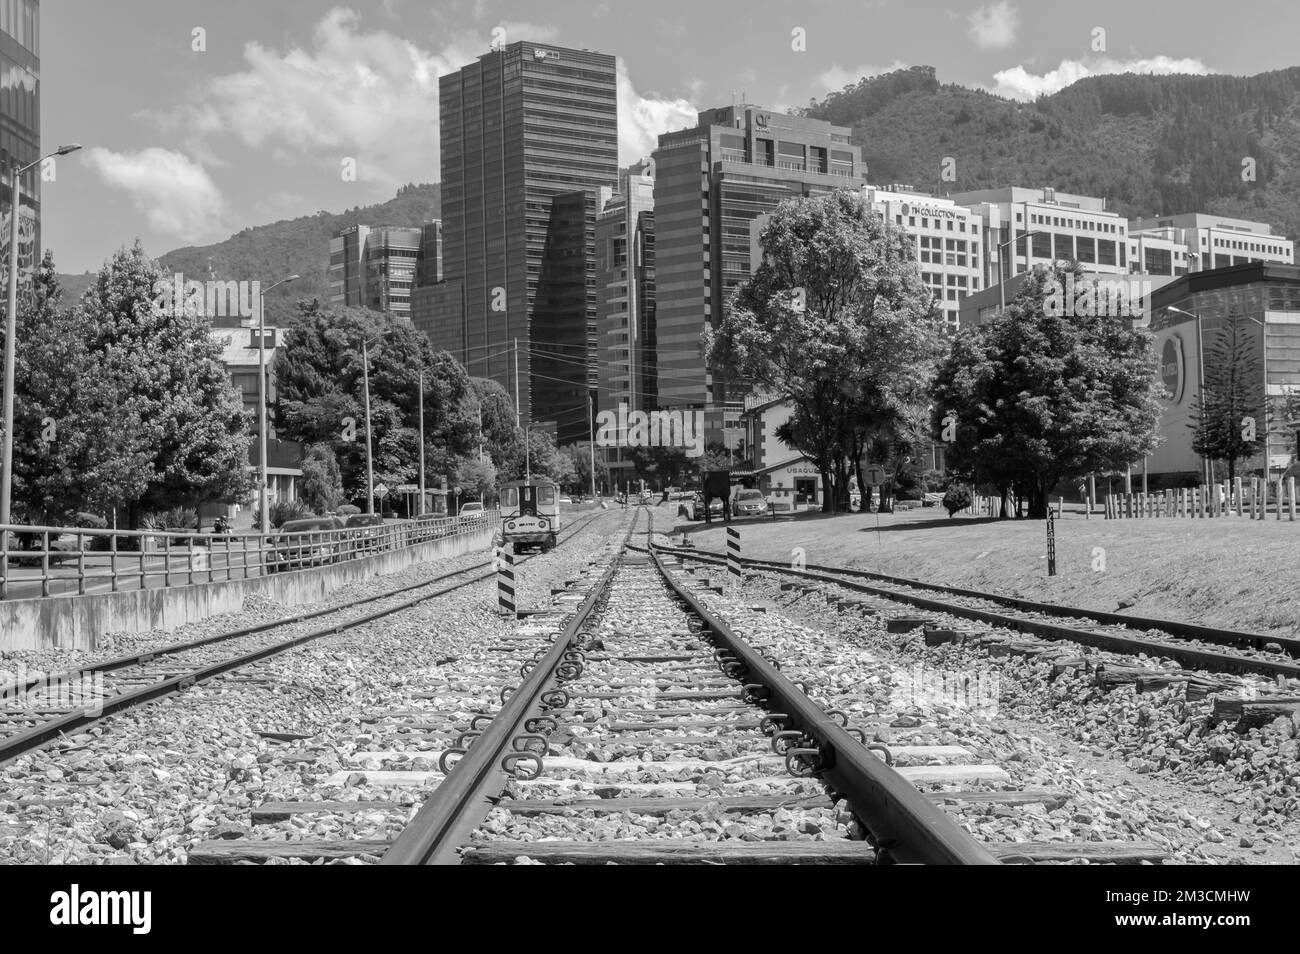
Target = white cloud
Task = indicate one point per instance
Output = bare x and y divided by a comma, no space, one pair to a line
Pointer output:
837,77
1019,83
370,96
373,96
176,194
994,26
642,118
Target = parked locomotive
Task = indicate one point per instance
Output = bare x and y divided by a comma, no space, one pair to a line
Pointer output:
530,514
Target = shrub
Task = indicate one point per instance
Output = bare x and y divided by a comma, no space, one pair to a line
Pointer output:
282,511
955,498
176,518
321,487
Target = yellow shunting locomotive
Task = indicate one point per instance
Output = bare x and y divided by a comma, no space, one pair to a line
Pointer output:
530,514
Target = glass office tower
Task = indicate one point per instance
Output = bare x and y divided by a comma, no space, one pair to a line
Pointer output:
529,137
20,123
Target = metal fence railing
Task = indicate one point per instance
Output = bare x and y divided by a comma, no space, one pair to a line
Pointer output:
60,561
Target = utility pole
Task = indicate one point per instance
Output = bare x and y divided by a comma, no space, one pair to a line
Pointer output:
419,510
263,386
591,421
11,333
528,463
370,467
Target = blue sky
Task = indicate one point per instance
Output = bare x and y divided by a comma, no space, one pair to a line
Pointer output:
187,147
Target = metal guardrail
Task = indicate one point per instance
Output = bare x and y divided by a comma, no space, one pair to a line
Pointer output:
73,560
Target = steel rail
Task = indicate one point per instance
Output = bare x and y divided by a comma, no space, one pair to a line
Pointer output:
55,679
906,827
1171,626
458,805
1200,658
14,745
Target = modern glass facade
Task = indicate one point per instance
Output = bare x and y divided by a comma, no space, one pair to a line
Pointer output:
375,267
520,128
20,123
625,288
711,181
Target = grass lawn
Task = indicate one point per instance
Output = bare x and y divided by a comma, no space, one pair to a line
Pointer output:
1226,571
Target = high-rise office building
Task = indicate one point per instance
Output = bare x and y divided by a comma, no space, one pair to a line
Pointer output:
376,267
529,137
710,182
625,303
20,125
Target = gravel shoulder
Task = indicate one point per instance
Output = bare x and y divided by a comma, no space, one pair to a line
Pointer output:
1142,765
144,786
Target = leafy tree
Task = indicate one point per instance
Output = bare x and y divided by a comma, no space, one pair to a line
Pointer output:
663,466
1232,392
580,454
476,479
100,455
320,384
152,414
322,482
1033,398
836,320
544,459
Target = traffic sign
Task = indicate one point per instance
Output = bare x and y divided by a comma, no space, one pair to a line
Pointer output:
381,491
875,475
408,489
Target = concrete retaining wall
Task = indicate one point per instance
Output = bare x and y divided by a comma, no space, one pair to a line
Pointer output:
78,622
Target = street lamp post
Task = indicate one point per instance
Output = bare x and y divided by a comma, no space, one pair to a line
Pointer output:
420,508
11,329
1002,292
262,424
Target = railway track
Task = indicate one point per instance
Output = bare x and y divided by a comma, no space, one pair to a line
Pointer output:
37,710
642,720
1190,644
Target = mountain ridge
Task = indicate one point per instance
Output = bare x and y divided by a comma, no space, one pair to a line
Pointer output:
1150,145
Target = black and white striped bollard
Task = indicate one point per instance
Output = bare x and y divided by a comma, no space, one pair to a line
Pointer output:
733,557
506,581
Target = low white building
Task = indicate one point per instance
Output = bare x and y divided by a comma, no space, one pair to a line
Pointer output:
785,476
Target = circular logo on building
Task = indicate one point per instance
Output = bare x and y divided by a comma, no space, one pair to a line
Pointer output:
907,210
1171,368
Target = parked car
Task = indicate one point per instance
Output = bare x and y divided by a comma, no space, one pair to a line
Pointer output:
473,510
311,541
692,508
566,500
368,534
749,503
